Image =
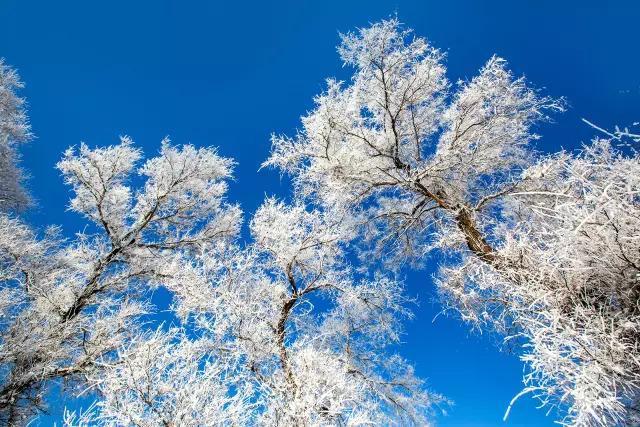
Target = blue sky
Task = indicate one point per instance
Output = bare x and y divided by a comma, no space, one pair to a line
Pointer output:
229,74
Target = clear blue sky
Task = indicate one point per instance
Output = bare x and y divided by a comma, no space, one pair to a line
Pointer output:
229,74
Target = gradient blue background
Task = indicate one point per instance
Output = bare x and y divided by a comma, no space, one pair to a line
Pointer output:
229,74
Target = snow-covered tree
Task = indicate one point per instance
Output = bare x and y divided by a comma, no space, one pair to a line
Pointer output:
547,251
14,129
414,156
307,340
68,306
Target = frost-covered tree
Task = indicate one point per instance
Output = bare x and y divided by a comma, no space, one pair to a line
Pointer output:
547,252
14,129
68,306
304,341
